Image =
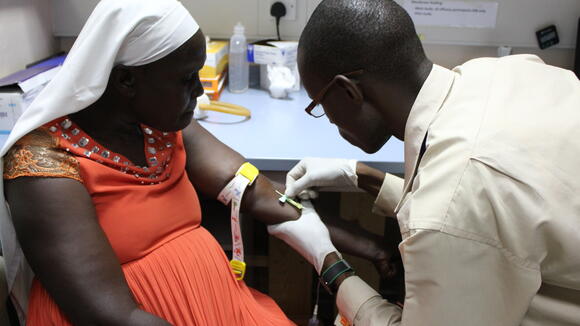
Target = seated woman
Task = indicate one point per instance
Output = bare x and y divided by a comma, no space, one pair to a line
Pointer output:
101,175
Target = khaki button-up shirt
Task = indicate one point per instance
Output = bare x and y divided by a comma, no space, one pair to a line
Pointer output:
490,215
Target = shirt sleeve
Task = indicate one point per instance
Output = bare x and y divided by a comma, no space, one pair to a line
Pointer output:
37,155
389,195
449,281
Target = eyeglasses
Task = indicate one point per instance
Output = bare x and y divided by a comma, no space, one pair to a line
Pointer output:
314,108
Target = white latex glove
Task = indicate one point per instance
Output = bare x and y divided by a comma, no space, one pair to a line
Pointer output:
307,235
308,194
320,172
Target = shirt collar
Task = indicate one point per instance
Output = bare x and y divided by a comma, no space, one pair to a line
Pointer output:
428,102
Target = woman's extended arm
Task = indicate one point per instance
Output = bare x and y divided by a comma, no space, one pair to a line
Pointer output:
211,165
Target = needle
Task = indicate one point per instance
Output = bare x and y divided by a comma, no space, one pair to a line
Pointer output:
283,199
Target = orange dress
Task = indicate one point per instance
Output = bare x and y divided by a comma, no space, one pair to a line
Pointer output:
151,216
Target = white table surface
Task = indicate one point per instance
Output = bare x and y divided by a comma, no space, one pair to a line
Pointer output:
280,133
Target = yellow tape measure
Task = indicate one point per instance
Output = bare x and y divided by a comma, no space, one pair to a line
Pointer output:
224,107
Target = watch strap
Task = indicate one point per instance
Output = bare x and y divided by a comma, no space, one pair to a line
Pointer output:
329,276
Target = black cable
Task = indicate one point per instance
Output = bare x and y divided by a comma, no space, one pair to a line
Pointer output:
278,28
278,10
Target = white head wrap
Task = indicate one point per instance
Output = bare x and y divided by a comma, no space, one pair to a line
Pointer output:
129,32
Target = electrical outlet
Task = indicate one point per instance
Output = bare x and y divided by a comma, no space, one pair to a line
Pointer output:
290,9
290,26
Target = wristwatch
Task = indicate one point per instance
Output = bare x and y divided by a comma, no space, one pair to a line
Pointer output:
330,275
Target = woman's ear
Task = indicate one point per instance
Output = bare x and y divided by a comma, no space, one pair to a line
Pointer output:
351,88
123,79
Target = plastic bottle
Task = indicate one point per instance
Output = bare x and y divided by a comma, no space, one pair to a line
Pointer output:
238,62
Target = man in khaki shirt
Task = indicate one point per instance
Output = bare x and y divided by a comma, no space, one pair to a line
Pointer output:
489,209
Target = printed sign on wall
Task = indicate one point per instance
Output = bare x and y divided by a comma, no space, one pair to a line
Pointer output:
476,14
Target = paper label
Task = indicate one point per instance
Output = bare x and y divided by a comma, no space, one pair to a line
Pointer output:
10,110
476,14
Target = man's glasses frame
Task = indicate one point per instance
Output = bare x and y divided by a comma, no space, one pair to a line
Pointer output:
320,96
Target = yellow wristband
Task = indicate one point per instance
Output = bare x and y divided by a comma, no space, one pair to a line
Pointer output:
249,171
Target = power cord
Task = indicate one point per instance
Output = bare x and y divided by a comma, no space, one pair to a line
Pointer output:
278,10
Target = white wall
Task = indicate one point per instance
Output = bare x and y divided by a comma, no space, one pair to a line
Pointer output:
217,17
453,55
25,33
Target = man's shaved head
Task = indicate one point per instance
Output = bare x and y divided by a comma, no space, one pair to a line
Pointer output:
375,35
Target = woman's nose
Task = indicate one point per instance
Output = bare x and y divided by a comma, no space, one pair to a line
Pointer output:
197,90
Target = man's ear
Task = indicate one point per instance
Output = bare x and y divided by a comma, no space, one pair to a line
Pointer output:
351,88
123,79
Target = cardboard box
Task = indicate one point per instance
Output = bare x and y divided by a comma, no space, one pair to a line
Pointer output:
18,90
215,96
273,52
214,87
217,59
11,108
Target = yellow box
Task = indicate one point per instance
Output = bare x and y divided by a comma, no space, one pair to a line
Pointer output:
214,83
214,86
217,59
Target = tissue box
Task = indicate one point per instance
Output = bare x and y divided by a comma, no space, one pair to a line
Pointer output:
19,89
271,52
265,82
11,107
217,59
274,52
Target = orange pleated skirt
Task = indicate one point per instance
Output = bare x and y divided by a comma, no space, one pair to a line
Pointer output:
187,281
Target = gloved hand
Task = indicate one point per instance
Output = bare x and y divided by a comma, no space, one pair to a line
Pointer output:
319,172
307,235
